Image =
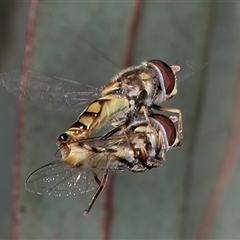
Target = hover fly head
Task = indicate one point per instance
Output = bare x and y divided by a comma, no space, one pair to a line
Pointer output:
166,77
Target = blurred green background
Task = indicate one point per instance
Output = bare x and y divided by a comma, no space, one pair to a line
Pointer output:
171,203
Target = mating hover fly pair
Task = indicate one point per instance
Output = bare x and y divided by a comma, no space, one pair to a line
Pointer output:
140,137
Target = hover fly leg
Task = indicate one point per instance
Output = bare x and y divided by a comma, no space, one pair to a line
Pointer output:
163,145
99,190
98,181
173,110
129,143
146,112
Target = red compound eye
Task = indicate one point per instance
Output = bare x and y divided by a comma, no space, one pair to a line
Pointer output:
168,125
168,75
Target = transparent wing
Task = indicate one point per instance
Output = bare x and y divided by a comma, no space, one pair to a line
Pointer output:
110,142
58,179
52,93
189,69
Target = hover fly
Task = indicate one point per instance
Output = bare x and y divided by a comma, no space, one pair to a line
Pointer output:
135,90
84,165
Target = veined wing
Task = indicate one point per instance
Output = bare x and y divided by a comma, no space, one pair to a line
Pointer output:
110,142
53,93
58,179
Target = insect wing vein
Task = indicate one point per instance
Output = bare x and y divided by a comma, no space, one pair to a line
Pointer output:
51,92
58,179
